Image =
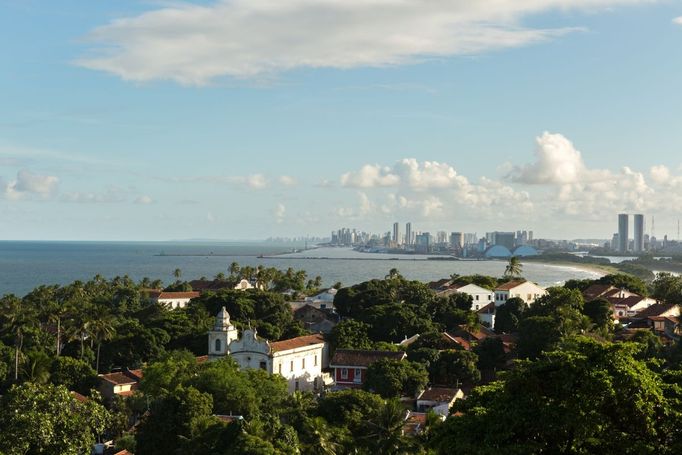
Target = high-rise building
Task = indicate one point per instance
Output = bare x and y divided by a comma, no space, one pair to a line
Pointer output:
408,234
639,233
396,233
457,240
623,233
422,242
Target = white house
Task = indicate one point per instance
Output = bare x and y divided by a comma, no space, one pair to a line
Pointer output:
300,360
481,296
527,291
439,400
173,300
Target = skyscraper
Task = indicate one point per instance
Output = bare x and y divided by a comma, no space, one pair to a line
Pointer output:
396,233
623,233
408,234
639,233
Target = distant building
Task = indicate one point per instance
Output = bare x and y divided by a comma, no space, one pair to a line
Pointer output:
422,243
506,239
457,240
396,233
438,400
173,300
122,383
623,233
408,234
639,233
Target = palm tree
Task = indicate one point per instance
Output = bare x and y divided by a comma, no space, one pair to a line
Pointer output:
101,329
16,319
37,367
386,428
393,274
514,267
234,269
177,273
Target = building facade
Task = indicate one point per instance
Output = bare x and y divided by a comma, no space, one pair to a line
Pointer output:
623,233
299,360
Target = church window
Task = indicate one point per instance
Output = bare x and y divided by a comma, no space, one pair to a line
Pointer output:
303,363
315,359
218,345
280,368
291,366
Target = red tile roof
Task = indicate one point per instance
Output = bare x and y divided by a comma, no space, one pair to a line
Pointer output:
509,285
596,290
123,377
657,309
299,342
358,358
439,394
78,397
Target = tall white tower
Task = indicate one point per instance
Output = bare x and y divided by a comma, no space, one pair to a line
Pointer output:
221,336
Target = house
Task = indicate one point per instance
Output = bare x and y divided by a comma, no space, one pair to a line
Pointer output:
173,300
350,365
666,325
299,360
628,306
486,315
439,285
315,319
658,309
122,383
243,285
325,296
438,399
481,296
527,291
415,423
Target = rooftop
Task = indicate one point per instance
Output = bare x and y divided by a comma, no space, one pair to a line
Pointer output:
359,358
299,342
439,394
510,285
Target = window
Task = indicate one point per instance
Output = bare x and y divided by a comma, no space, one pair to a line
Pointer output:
280,368
218,345
477,296
529,296
315,359
263,366
358,375
303,363
490,297
344,373
291,366
297,386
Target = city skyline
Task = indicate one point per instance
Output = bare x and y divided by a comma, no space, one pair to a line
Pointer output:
542,117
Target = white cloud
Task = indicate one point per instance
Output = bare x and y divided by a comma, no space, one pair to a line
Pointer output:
279,212
557,162
193,44
678,20
144,200
111,195
370,176
28,183
287,180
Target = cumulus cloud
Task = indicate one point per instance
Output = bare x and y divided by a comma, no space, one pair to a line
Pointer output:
279,212
370,176
678,20
287,180
193,44
27,184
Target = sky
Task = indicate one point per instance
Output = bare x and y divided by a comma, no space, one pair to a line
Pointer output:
245,119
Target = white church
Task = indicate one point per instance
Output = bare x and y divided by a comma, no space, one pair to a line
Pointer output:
300,360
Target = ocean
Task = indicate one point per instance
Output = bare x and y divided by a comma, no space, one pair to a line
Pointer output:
27,264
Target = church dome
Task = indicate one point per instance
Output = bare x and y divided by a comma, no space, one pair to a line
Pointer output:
222,320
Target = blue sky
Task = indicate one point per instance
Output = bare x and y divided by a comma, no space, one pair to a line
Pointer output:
151,120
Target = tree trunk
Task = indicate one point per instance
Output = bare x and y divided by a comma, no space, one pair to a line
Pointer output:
59,328
82,345
99,345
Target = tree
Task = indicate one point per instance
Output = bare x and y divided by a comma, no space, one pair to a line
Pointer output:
46,419
74,374
395,378
600,313
629,282
350,334
455,367
36,367
667,288
590,397
508,314
386,428
514,267
491,355
100,329
15,318
177,273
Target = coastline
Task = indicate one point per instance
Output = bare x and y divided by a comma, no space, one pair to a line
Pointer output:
602,270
